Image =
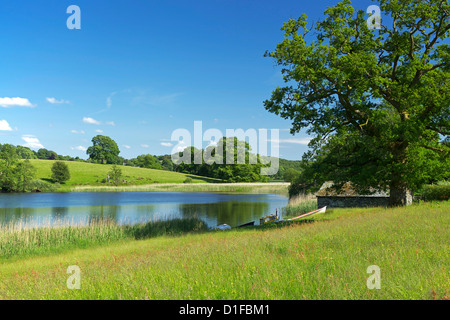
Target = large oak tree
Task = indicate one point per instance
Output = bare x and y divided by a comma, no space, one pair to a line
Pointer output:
376,100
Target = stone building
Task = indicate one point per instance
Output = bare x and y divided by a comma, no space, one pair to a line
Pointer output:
347,197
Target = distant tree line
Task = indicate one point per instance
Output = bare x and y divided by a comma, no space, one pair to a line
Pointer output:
17,174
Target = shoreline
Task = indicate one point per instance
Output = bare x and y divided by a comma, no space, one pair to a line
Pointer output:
240,187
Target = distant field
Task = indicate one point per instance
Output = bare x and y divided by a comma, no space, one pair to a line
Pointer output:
90,174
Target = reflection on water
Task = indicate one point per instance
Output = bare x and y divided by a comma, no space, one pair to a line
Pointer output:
133,207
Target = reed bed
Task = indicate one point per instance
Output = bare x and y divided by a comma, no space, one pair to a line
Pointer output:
193,187
300,204
19,239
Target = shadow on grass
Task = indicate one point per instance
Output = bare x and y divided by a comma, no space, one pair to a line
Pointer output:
204,179
166,228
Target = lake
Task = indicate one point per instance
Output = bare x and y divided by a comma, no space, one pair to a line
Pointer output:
213,208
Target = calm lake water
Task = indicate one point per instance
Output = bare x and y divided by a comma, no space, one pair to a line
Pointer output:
134,207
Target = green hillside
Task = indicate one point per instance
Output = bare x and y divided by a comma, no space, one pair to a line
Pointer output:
91,174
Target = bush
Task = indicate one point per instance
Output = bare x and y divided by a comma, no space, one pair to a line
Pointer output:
188,180
41,186
291,174
436,192
115,175
60,172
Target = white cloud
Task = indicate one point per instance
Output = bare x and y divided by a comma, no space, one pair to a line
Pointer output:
32,142
90,121
126,146
4,126
99,131
213,143
78,132
79,148
166,144
15,102
145,146
179,147
54,101
303,141
110,123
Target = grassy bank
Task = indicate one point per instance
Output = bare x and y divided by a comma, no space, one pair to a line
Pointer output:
213,187
326,259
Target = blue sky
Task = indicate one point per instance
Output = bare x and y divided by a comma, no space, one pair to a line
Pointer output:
137,70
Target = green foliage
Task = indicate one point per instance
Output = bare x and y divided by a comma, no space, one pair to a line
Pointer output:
104,150
60,172
115,175
284,165
291,174
229,161
145,161
42,186
436,192
188,180
25,173
25,153
15,175
45,154
376,100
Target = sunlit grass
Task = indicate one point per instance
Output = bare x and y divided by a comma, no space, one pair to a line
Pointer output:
18,240
91,174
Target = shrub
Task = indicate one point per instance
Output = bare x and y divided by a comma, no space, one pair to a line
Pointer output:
188,180
436,192
115,175
41,186
60,172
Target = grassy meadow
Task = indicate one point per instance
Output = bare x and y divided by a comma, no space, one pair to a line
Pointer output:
91,174
326,258
88,177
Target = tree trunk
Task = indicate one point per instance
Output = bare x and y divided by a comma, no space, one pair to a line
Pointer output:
400,194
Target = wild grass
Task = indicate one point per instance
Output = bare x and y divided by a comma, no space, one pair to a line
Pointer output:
300,204
326,259
18,240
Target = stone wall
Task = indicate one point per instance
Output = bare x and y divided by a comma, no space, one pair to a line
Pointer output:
351,202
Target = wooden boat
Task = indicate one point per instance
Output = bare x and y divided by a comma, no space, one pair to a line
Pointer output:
268,219
247,224
321,210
